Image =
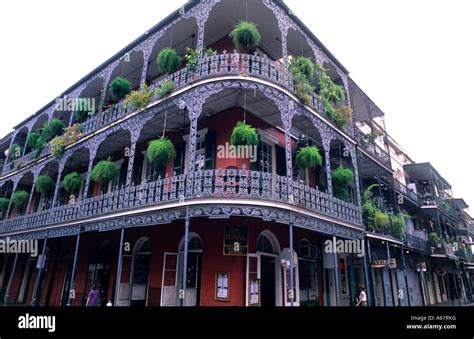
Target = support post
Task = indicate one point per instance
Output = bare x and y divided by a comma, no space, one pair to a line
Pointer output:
182,292
73,273
336,277
292,266
10,279
405,275
119,267
36,290
366,276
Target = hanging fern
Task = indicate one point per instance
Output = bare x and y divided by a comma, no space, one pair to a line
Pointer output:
32,139
245,36
398,226
161,151
44,184
168,60
19,198
304,66
368,194
4,203
369,210
341,177
434,238
14,152
119,88
381,220
244,134
53,129
72,182
105,170
166,87
308,157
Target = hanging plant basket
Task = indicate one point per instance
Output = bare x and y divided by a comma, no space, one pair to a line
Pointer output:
32,139
341,177
14,151
4,202
245,36
19,198
308,157
44,184
381,220
304,66
161,151
168,60
105,170
72,182
245,135
119,88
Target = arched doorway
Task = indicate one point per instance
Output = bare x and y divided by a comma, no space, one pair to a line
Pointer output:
193,275
98,272
140,272
268,253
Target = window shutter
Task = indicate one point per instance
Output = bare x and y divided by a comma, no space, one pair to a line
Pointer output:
179,159
210,141
280,160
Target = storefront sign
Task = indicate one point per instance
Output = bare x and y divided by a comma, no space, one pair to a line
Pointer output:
392,263
235,240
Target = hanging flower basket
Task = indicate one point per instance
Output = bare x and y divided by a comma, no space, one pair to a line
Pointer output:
72,182
44,184
19,198
168,60
161,151
341,177
4,203
245,36
308,157
244,134
105,170
119,88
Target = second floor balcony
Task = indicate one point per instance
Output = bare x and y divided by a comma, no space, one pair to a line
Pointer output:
232,186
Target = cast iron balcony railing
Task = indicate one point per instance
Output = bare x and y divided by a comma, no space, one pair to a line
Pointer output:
230,184
406,192
418,243
429,200
373,149
217,65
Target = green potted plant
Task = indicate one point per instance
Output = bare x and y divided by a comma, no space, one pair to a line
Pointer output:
119,88
139,99
304,66
165,88
54,128
434,239
308,157
4,203
192,57
44,184
245,36
32,139
381,219
70,136
14,152
303,69
341,116
341,177
83,110
19,198
160,151
168,60
244,134
105,170
72,182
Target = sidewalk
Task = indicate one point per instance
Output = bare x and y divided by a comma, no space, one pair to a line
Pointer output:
454,303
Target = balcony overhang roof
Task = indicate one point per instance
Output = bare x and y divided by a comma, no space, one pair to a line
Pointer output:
459,203
364,108
421,171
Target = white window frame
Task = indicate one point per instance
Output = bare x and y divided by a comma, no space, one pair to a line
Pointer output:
202,136
270,140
